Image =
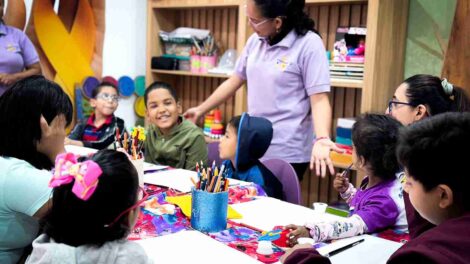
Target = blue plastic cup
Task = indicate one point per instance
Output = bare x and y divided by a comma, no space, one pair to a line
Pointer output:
209,211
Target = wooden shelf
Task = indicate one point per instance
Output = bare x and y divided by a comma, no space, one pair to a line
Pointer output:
344,83
334,1
186,4
334,82
187,73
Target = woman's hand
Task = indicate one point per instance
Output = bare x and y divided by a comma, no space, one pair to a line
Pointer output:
321,156
8,79
193,114
52,137
296,232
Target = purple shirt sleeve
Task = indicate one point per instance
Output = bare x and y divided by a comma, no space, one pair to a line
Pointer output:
315,69
30,56
240,67
378,212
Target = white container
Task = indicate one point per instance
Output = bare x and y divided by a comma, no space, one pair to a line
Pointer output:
320,207
264,248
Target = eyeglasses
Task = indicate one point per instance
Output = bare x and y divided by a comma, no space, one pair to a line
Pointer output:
108,97
145,195
257,25
392,104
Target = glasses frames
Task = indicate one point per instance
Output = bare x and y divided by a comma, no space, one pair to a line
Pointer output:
392,103
108,97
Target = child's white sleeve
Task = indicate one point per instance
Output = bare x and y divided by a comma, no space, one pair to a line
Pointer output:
347,227
349,193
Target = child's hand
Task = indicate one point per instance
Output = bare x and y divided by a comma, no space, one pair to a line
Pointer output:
340,183
68,141
296,232
52,139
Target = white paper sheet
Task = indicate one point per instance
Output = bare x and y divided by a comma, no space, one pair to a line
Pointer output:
153,167
265,213
373,250
81,151
177,179
192,247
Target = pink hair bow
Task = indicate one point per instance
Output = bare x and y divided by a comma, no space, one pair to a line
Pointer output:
86,175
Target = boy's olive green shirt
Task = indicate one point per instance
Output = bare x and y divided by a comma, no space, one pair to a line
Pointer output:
182,148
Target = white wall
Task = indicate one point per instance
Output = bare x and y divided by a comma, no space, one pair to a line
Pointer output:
124,45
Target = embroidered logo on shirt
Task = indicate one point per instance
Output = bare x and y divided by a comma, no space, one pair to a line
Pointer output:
11,48
282,63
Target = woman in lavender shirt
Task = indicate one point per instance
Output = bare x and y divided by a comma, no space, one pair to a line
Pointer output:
287,75
18,58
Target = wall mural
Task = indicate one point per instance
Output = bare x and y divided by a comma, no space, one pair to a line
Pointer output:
69,42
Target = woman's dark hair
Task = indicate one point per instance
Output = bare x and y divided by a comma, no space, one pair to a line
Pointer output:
428,150
375,138
75,222
428,90
21,108
100,86
160,85
235,122
292,14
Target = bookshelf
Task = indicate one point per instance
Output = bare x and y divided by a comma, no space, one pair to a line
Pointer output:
386,22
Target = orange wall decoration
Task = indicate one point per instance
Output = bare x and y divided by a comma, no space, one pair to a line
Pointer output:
69,42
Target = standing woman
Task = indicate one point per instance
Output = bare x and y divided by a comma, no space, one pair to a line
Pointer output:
18,58
286,70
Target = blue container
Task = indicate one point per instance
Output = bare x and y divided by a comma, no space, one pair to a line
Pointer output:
209,211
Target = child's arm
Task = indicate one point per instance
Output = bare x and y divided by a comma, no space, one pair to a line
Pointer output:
197,151
349,193
108,138
347,227
323,231
77,132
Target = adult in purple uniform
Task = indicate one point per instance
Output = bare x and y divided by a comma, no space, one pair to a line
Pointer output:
18,58
286,70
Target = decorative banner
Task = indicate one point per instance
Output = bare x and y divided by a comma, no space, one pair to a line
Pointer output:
69,53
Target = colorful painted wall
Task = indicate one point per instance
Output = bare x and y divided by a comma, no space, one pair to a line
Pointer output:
429,28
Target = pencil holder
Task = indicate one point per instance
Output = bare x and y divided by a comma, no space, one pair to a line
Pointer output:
209,211
195,63
139,166
207,63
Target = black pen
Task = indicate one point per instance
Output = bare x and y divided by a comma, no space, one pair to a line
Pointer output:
341,249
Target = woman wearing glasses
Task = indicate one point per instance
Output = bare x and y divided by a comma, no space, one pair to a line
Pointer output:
100,129
418,97
287,75
424,95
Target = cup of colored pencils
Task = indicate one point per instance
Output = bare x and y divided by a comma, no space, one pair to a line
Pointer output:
209,199
132,144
